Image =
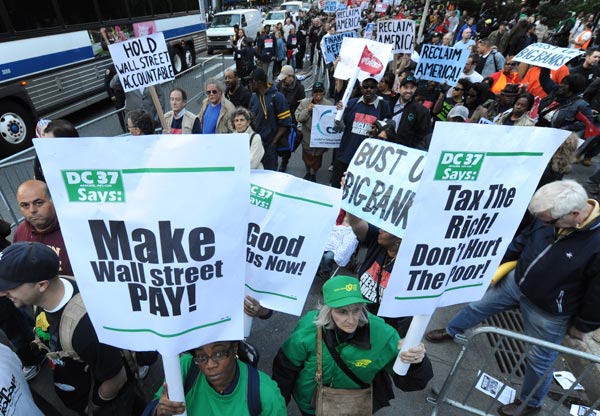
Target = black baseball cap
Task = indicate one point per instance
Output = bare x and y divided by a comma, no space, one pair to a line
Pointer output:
258,74
408,79
27,262
318,86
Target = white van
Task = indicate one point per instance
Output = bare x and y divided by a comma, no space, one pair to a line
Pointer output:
220,31
274,17
292,6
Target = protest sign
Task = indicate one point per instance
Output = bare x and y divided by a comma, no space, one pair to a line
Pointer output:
381,182
155,229
322,133
142,62
341,6
473,192
330,6
546,55
399,33
348,19
369,30
283,253
441,64
331,44
351,53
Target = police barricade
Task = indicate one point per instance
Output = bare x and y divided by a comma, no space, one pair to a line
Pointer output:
466,388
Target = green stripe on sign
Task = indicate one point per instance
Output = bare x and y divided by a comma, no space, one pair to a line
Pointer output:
180,170
271,293
222,321
304,199
536,154
438,295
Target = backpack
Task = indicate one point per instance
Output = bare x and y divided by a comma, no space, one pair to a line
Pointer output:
293,139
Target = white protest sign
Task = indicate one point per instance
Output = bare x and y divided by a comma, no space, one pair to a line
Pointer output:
400,33
381,182
441,64
473,192
369,30
322,133
348,19
155,227
546,55
283,252
142,62
331,44
351,54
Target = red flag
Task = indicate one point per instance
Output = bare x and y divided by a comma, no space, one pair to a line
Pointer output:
369,62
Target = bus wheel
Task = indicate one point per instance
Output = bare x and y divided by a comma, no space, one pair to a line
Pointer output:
17,127
177,60
190,57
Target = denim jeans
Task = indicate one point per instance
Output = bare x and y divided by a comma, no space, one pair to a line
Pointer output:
504,296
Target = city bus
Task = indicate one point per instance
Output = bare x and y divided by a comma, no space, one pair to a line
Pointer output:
54,54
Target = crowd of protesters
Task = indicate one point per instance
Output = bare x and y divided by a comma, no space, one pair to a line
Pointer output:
263,96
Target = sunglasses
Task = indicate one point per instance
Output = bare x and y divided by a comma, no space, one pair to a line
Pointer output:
369,87
209,92
458,89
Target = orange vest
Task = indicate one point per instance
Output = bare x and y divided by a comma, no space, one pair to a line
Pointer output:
581,38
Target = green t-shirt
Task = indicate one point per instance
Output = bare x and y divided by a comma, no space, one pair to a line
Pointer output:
203,400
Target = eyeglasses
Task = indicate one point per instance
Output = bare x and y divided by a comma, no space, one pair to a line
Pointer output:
217,357
209,92
555,220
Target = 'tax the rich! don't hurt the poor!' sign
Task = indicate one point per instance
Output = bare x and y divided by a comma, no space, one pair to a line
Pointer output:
473,193
283,253
155,228
381,183
441,64
142,62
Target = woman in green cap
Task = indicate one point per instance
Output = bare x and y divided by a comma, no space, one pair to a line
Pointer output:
353,338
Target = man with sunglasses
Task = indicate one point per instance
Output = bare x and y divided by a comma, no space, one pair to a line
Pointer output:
555,284
507,75
216,111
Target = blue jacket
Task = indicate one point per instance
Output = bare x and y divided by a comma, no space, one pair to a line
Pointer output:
560,275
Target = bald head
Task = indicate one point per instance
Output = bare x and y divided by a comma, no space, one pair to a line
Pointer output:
36,205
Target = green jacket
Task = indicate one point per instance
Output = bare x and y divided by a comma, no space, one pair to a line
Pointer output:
374,348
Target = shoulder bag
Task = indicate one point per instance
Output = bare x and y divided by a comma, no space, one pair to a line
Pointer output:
329,401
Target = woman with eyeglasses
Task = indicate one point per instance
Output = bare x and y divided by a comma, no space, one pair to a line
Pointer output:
223,385
215,113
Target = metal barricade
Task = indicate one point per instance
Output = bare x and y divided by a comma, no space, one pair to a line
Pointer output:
463,386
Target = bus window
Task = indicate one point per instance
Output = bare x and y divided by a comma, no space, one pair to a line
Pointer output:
112,10
139,8
76,12
161,7
184,5
3,28
37,15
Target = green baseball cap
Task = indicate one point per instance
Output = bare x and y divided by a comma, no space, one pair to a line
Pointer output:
340,291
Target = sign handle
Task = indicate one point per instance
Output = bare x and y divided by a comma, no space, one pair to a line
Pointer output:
413,337
158,106
347,93
173,376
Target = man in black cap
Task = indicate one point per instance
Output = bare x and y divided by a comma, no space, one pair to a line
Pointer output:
29,277
413,120
273,118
